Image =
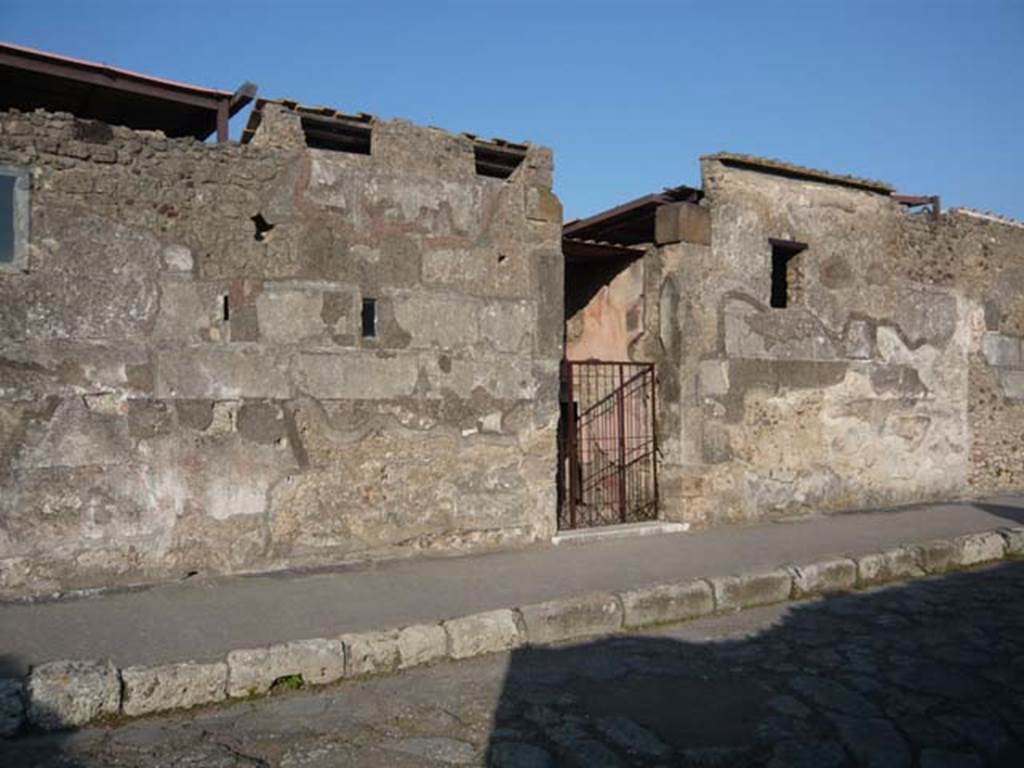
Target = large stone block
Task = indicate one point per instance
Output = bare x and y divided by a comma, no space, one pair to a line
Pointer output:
253,671
1014,538
421,644
824,576
480,633
975,548
936,556
1013,384
891,565
357,375
65,694
666,603
733,593
12,706
172,686
682,222
542,205
371,653
221,372
572,617
1001,351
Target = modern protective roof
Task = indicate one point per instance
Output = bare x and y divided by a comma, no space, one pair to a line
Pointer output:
630,223
38,79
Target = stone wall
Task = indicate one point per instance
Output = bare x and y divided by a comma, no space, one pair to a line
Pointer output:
893,375
184,382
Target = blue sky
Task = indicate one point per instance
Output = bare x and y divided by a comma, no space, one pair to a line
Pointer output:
928,95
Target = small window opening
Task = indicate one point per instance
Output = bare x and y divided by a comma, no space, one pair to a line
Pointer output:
337,134
263,227
786,275
7,218
369,318
498,160
227,308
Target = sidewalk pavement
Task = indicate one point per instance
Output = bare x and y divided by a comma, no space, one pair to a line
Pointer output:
202,619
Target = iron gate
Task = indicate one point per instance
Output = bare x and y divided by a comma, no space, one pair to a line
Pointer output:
608,468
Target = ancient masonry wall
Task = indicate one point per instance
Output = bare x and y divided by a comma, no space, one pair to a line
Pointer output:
184,388
893,376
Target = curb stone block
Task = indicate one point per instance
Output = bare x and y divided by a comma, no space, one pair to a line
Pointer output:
977,548
936,556
1014,538
751,589
421,644
479,633
555,620
172,686
254,670
64,694
12,706
370,653
666,603
890,565
824,576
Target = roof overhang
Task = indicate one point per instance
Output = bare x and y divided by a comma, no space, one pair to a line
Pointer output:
631,223
37,79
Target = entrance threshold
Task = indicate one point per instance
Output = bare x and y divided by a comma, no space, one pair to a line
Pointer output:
627,530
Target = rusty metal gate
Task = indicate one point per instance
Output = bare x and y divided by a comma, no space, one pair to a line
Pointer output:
608,464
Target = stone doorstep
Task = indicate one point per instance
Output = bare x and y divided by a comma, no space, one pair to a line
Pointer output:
623,531
69,693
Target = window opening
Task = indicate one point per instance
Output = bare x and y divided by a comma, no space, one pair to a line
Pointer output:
7,218
369,318
337,134
786,276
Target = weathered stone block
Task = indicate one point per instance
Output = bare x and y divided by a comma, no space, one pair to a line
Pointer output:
479,633
824,576
572,617
172,686
682,222
421,644
177,258
714,378
370,653
733,593
977,548
1013,384
222,373
253,671
1001,351
666,603
543,205
936,556
357,375
891,565
1014,538
289,316
12,706
65,694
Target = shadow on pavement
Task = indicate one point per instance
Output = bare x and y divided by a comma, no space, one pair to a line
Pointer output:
929,673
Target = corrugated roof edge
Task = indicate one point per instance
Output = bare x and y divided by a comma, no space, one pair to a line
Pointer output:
987,216
361,117
773,165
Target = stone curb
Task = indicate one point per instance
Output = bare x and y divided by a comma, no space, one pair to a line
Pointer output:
70,693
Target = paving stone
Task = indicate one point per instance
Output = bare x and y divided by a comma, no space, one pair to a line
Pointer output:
829,694
808,754
436,748
172,686
941,758
874,742
666,603
487,632
1014,538
12,706
571,618
64,694
632,738
824,576
513,754
937,556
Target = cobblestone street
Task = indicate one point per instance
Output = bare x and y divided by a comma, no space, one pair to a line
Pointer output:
929,673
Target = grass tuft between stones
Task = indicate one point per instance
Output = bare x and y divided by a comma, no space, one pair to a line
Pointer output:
287,683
